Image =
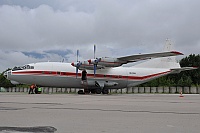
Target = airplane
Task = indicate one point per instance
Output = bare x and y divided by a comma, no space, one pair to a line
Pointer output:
98,75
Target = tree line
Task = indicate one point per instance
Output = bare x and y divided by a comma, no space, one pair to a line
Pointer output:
185,78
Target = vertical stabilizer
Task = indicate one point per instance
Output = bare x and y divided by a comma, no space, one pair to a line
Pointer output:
168,46
165,62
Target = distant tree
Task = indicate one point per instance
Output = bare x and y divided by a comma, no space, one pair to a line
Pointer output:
162,81
185,81
191,61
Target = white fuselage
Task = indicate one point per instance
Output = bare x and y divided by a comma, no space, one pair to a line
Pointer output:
57,74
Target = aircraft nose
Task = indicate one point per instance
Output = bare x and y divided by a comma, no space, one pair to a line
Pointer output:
5,74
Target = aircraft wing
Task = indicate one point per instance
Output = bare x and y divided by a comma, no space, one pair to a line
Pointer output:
106,62
178,70
134,58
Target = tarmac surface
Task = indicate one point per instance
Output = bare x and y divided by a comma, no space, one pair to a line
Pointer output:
124,113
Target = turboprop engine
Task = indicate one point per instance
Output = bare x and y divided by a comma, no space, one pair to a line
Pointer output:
82,65
106,62
85,65
96,63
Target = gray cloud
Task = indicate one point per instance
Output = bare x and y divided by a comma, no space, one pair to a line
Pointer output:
117,27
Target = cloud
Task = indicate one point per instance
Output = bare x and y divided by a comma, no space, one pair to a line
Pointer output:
44,30
16,58
43,27
34,55
61,53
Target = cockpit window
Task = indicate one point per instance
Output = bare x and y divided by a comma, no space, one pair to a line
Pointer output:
23,67
16,68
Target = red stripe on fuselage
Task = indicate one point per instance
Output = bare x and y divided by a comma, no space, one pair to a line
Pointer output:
103,76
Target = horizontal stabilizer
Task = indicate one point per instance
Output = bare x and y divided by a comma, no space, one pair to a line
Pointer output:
178,70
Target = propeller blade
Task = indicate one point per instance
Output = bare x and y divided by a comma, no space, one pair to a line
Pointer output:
77,54
94,70
95,61
78,65
94,50
76,72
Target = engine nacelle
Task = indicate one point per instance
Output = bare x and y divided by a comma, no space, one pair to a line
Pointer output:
94,61
106,62
76,64
85,65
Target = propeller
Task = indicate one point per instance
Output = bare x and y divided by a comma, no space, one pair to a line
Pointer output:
94,51
77,64
95,65
96,60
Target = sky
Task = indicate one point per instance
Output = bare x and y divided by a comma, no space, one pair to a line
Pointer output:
52,30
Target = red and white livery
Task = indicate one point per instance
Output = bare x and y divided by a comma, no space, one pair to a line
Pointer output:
102,73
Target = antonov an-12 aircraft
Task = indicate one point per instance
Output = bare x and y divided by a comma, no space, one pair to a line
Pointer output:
99,74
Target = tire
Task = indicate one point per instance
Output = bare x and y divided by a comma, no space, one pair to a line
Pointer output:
105,91
98,90
80,92
93,91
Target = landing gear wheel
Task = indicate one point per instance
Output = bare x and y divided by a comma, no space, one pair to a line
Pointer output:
105,91
81,92
93,91
98,90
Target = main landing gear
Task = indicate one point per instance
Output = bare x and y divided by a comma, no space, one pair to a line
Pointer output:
98,87
105,91
94,91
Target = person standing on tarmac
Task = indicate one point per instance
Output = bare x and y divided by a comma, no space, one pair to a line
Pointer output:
84,75
39,90
36,89
31,89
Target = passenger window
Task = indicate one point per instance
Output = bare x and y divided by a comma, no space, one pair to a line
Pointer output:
27,67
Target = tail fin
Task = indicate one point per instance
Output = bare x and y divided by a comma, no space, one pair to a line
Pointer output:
165,62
